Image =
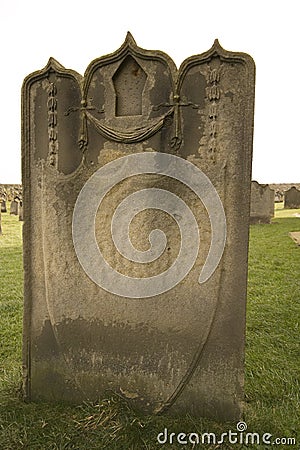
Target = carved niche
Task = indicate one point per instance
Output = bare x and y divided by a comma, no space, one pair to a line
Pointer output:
129,82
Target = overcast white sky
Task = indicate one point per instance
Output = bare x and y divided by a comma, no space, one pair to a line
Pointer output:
76,32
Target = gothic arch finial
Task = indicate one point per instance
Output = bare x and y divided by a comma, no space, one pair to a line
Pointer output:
54,64
130,39
217,47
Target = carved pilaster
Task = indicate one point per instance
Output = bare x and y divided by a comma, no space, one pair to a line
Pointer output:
213,96
52,125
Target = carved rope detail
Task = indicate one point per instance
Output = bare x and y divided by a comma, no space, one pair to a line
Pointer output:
213,95
52,125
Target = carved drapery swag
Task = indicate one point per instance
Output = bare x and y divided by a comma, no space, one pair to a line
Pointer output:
128,136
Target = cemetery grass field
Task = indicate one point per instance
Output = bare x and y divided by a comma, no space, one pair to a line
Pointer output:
272,382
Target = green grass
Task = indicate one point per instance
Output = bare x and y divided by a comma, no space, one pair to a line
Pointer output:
272,361
11,299
272,364
280,212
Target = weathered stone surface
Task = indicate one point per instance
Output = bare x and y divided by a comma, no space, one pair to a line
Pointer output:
292,198
181,350
262,203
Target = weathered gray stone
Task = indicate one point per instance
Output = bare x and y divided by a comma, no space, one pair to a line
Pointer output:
292,198
262,203
183,349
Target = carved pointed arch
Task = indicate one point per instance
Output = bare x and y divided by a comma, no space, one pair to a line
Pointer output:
129,47
128,115
216,51
157,66
46,96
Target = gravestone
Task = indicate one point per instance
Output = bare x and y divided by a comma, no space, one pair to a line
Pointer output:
14,207
123,170
3,206
21,217
292,198
262,203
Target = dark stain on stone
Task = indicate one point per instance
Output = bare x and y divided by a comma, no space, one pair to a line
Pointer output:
46,346
114,347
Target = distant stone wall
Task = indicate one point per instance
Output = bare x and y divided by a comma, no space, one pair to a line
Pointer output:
283,186
262,203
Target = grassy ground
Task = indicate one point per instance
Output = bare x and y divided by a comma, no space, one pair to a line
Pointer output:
272,361
280,212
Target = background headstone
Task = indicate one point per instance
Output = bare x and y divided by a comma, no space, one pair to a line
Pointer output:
292,198
262,203
14,207
21,217
181,350
3,206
